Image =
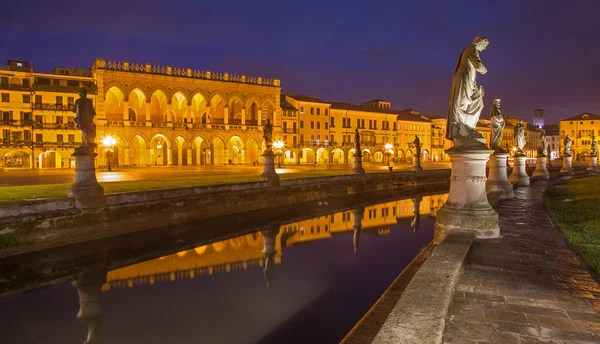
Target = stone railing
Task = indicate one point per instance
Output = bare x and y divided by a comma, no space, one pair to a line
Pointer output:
183,72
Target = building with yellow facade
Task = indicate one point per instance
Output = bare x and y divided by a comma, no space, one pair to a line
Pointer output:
580,129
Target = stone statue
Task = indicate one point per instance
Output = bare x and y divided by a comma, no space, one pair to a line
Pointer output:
417,144
520,137
542,147
568,141
594,147
268,135
84,120
549,151
497,125
466,96
357,150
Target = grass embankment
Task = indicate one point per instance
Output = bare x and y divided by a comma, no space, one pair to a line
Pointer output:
32,192
575,206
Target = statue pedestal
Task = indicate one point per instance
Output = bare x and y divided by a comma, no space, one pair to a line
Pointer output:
593,165
417,164
498,177
540,168
357,167
269,174
519,175
467,207
567,166
85,189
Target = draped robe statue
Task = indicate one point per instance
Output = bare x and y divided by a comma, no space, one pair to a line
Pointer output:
84,120
497,125
417,144
268,134
520,137
357,150
594,147
542,147
466,96
567,151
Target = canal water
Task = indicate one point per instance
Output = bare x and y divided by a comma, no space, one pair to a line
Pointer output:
308,281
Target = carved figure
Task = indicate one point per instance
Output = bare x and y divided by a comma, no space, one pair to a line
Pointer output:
84,121
497,125
568,141
417,144
268,134
594,147
357,150
466,96
520,137
541,150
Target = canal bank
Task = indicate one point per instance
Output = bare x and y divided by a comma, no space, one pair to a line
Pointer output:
37,225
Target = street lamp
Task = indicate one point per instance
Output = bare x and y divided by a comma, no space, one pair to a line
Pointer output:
279,146
109,142
388,150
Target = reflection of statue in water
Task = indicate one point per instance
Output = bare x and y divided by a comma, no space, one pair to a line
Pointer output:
84,119
594,147
497,125
417,144
89,284
268,135
567,150
520,137
358,214
417,212
541,150
466,96
269,236
357,150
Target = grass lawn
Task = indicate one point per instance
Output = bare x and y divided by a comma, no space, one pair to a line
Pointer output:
30,192
575,206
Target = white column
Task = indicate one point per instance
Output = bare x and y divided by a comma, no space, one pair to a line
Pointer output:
519,174
498,176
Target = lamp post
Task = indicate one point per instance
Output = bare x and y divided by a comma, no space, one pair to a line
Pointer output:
109,142
388,152
279,146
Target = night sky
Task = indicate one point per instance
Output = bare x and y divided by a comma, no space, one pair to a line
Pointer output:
541,53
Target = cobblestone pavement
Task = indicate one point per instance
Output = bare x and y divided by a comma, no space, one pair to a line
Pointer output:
526,286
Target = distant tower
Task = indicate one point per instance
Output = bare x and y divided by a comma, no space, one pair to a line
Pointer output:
538,118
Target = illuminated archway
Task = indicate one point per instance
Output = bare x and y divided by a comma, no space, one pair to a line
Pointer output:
50,159
322,156
217,108
307,156
252,150
218,151
113,104
159,150
338,156
158,107
17,159
198,109
137,151
137,105
179,108
200,152
235,148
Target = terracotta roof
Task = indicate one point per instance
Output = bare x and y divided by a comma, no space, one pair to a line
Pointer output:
365,108
552,129
590,116
303,98
285,104
377,100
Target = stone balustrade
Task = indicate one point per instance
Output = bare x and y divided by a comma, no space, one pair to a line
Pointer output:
183,72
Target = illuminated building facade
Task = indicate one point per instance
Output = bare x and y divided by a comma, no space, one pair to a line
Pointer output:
580,129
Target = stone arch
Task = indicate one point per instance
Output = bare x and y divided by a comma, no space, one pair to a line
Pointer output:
425,156
289,156
114,104
351,153
198,108
307,156
200,151
366,155
236,150
268,110
378,156
17,158
137,103
160,146
178,107
253,149
217,109
409,155
181,90
50,159
179,151
158,106
138,151
252,110
217,147
400,154
322,156
337,156
235,106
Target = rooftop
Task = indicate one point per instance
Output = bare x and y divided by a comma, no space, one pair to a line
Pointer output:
582,117
285,104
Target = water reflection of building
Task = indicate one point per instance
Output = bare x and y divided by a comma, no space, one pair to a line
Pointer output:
248,251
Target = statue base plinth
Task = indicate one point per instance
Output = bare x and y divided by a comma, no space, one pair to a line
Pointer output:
357,167
417,164
567,167
86,190
540,168
593,165
269,174
498,177
467,207
519,174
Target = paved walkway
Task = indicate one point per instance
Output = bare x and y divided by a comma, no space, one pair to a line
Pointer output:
527,286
